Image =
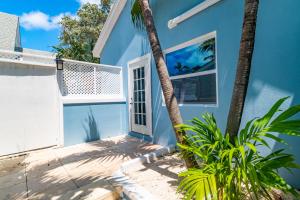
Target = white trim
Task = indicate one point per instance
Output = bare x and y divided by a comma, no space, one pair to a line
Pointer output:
186,44
146,58
202,6
92,64
37,64
100,99
139,59
61,112
212,71
108,26
190,42
26,54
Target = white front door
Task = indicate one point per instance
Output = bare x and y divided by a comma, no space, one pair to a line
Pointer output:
139,93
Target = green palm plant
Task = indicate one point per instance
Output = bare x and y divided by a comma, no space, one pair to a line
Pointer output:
238,170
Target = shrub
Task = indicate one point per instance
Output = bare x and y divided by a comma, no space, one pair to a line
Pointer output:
237,170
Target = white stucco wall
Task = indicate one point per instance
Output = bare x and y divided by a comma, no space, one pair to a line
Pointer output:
29,108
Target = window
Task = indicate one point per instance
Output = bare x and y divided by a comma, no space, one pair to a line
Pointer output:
192,70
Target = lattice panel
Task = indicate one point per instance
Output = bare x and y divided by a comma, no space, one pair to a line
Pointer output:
108,81
85,79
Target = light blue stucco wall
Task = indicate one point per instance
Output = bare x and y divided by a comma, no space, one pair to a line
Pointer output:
275,70
89,122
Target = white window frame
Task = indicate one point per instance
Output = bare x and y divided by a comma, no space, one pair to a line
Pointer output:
213,71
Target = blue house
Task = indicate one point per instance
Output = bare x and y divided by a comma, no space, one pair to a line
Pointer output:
203,78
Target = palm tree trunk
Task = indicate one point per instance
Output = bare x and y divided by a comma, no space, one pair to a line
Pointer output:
167,88
243,68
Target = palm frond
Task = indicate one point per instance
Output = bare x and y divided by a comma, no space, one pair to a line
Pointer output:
239,170
136,15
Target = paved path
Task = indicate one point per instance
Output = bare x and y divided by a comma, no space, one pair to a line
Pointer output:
77,172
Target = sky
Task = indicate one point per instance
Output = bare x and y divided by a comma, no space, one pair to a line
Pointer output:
39,19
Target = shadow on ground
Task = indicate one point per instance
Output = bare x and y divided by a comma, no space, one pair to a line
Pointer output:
159,177
75,172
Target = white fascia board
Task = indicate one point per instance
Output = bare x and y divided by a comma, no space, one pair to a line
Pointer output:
202,6
108,26
26,63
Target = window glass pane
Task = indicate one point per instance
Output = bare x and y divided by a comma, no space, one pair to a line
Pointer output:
191,59
199,89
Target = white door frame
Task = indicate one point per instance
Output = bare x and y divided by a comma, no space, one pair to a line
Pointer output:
146,61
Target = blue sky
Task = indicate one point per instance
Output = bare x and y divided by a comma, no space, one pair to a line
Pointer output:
39,19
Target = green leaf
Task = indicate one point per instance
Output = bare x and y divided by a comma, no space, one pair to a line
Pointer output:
136,15
241,149
287,114
274,109
277,139
251,146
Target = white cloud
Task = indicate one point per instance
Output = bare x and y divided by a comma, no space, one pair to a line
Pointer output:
40,20
81,2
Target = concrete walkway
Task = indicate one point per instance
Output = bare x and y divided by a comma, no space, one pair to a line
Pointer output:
77,172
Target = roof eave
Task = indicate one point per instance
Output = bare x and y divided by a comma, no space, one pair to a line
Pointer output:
108,26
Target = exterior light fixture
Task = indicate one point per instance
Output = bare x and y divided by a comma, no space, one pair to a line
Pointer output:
59,63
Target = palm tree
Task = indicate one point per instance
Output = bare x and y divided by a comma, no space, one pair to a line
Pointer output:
142,17
243,68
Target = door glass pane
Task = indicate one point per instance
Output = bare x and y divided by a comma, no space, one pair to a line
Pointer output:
139,96
142,72
134,73
136,119
140,119
142,84
139,85
144,107
135,107
135,96
139,73
143,96
140,108
144,119
135,85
